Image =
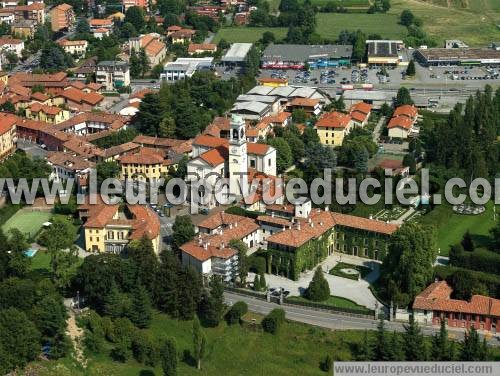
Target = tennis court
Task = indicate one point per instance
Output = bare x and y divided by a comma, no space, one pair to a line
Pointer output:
27,221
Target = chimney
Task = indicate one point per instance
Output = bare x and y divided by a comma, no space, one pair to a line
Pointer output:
327,208
235,224
222,245
321,223
312,224
230,226
205,246
272,214
298,226
371,216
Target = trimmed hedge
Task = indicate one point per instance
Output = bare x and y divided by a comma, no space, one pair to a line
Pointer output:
480,260
236,210
236,312
355,311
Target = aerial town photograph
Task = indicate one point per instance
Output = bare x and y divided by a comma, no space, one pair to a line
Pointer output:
249,187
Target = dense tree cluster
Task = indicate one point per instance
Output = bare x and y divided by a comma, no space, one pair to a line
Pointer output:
184,109
466,142
318,289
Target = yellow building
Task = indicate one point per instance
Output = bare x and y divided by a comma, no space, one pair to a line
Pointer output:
4,77
110,229
273,82
48,114
332,128
7,134
145,166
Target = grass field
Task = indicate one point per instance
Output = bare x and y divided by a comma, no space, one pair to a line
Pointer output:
334,301
451,227
247,34
475,25
329,25
27,222
230,351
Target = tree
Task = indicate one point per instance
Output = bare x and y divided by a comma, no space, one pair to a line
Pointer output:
8,106
414,341
410,70
441,346
273,321
366,352
143,62
166,284
242,249
396,353
49,315
144,261
467,242
199,343
236,312
386,110
263,283
403,97
299,116
107,170
183,230
135,15
268,37
82,27
381,346
472,349
326,364
256,283
284,158
189,286
167,127
19,338
318,289
211,307
406,18
135,65
168,355
141,313
54,58
113,303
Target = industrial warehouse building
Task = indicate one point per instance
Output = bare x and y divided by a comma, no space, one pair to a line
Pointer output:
294,56
385,52
237,54
457,56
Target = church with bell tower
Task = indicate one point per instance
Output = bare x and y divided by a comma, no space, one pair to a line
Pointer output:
238,161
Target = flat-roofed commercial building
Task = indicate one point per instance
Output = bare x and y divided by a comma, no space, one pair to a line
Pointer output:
185,67
457,56
295,56
384,52
237,54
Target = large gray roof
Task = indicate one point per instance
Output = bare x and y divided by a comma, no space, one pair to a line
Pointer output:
303,52
237,53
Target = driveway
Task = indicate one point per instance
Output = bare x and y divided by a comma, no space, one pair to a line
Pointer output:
357,291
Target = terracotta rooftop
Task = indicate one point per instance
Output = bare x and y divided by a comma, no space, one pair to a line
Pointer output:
120,149
95,22
210,141
400,122
209,47
281,222
79,96
142,158
273,80
140,94
7,121
258,149
215,157
220,219
406,110
69,161
304,102
362,107
49,110
83,148
333,120
40,96
436,297
283,208
110,120
154,47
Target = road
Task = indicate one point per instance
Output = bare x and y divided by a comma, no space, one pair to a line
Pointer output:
378,129
334,321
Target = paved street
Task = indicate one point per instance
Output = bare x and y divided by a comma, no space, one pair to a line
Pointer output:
334,321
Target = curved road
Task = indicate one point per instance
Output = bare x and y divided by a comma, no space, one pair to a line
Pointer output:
334,321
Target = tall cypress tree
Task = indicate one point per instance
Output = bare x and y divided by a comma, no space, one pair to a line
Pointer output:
472,348
141,307
168,355
414,342
381,349
441,346
396,350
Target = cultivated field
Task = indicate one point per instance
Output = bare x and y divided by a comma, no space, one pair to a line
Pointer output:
247,34
27,222
329,25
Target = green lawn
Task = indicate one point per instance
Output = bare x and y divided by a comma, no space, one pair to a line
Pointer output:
337,270
232,350
329,25
41,261
451,227
334,301
27,222
247,34
475,25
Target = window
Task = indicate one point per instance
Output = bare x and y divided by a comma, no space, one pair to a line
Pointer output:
269,162
252,163
365,252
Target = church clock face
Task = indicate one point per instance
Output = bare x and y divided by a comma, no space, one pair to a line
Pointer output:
234,150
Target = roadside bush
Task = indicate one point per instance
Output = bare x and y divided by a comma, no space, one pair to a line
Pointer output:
233,316
272,322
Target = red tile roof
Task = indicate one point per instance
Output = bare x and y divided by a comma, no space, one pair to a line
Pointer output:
257,149
7,122
220,219
210,141
400,122
281,222
209,47
49,110
436,297
143,158
362,107
333,120
406,110
215,157
273,80
304,102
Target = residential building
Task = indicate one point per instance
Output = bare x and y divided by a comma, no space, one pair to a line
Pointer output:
145,166
53,83
8,134
435,304
154,48
34,12
203,48
101,23
101,33
77,48
181,36
78,100
113,74
23,28
295,56
185,67
9,3
110,228
332,128
8,44
68,166
169,145
402,123
134,3
62,17
311,106
48,114
7,16
93,123
360,113
210,252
